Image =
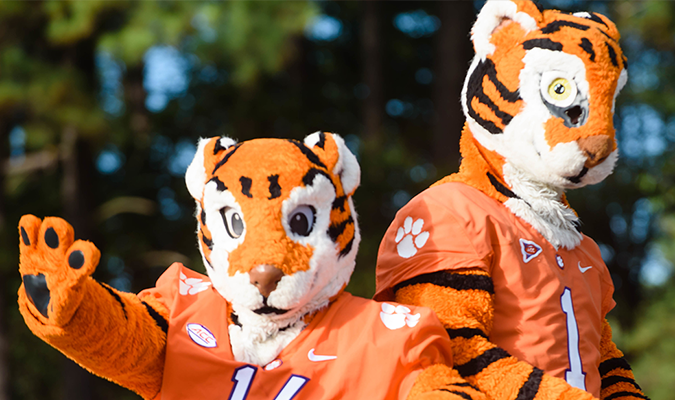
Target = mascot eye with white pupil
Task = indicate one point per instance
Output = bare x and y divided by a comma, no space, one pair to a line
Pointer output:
301,220
233,222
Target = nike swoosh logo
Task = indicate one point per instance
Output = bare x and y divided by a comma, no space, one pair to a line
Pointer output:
316,358
584,269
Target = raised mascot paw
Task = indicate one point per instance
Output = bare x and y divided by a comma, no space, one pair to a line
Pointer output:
53,268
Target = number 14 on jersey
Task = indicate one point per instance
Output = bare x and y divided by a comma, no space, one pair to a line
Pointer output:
243,378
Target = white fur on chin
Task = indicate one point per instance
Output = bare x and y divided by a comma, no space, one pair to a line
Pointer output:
540,205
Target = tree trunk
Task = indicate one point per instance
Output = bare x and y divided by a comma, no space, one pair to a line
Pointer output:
452,56
77,382
6,237
371,39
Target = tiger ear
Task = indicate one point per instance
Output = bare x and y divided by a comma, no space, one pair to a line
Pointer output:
205,159
332,151
496,14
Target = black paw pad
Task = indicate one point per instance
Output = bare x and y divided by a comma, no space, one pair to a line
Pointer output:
24,237
51,238
37,291
76,259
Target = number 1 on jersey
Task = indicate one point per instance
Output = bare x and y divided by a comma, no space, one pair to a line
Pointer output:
243,378
575,376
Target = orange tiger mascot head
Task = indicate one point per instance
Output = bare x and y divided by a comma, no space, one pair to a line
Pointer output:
539,99
277,231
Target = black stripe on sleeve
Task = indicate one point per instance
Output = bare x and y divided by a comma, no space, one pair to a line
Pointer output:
531,387
611,380
542,43
476,365
115,296
453,281
159,320
612,364
458,393
227,157
556,25
625,394
466,333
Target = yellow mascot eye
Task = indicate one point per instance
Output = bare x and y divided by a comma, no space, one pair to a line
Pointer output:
560,89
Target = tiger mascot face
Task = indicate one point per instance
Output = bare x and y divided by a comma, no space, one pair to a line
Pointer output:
277,231
540,92
539,101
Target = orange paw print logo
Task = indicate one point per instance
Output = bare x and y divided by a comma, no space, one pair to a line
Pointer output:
191,285
410,238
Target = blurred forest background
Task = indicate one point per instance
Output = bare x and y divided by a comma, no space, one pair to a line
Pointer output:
101,104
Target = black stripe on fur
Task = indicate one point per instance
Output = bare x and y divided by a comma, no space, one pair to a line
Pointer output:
311,156
116,296
466,333
339,203
451,280
458,393
625,394
587,46
159,320
612,364
506,94
542,43
347,249
531,387
556,25
275,189
336,229
612,55
227,157
220,186
476,365
611,380
246,186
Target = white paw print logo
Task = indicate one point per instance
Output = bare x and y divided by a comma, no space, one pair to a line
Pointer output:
410,237
191,285
396,317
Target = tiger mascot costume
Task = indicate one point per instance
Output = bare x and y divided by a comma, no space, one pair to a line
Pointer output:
495,249
278,235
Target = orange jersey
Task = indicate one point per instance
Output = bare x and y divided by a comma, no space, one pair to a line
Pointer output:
549,304
354,349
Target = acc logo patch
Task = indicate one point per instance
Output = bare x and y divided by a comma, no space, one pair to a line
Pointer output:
200,335
529,249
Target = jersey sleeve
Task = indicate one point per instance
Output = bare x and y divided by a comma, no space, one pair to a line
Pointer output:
167,287
438,228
